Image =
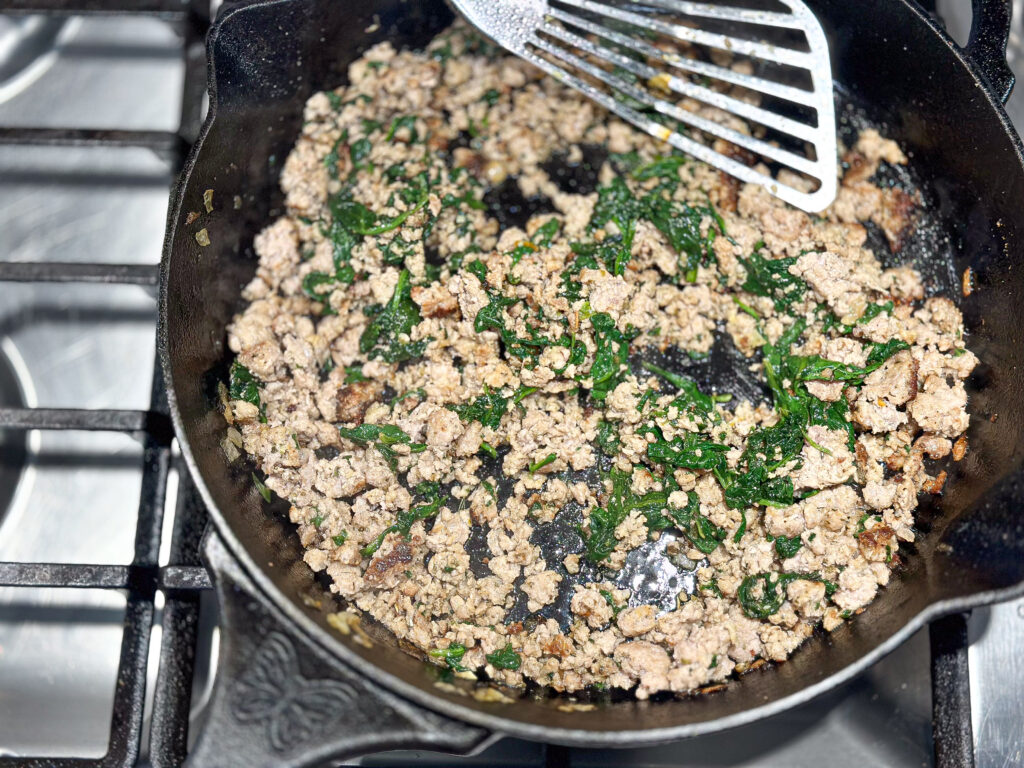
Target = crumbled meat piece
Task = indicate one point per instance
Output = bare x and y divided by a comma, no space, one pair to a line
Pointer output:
935,447
835,280
591,605
646,662
637,621
960,448
827,460
355,398
435,301
607,293
541,588
877,543
935,484
807,597
377,570
875,147
879,495
857,587
895,382
443,428
939,408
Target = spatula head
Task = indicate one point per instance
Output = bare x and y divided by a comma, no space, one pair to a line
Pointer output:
746,90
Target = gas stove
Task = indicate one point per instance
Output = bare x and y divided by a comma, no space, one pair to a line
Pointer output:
111,663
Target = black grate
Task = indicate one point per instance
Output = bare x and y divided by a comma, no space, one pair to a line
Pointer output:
184,577
182,580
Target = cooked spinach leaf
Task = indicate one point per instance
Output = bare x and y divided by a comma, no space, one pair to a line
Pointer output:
754,486
452,655
611,360
607,254
261,487
680,224
506,658
617,204
382,437
357,218
344,238
659,167
874,310
522,393
690,399
432,500
419,393
354,373
546,232
242,385
600,541
479,270
616,609
771,278
704,534
772,593
387,335
691,450
541,463
787,547
817,368
491,318
769,448
359,151
880,353
407,123
487,408
365,434
659,514
607,438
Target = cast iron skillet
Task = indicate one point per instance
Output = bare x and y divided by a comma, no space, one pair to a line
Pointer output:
290,689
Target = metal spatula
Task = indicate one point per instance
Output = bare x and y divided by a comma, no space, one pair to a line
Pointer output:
647,61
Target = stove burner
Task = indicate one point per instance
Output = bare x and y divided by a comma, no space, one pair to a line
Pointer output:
12,442
28,47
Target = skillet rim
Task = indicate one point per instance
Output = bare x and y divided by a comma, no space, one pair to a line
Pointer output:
328,642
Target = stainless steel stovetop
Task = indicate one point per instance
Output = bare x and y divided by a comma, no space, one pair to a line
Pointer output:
73,496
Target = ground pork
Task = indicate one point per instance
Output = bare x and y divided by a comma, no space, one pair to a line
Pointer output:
483,432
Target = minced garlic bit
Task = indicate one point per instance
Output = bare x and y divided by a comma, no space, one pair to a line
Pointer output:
439,395
661,82
203,237
490,696
576,707
348,624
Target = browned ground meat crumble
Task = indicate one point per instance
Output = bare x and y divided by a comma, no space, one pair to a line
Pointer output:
370,309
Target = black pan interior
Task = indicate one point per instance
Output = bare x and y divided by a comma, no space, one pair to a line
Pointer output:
269,57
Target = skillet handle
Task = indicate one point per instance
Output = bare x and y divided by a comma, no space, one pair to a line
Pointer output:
986,44
281,701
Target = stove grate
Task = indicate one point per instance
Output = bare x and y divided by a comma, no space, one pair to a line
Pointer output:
184,578
165,9
76,272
